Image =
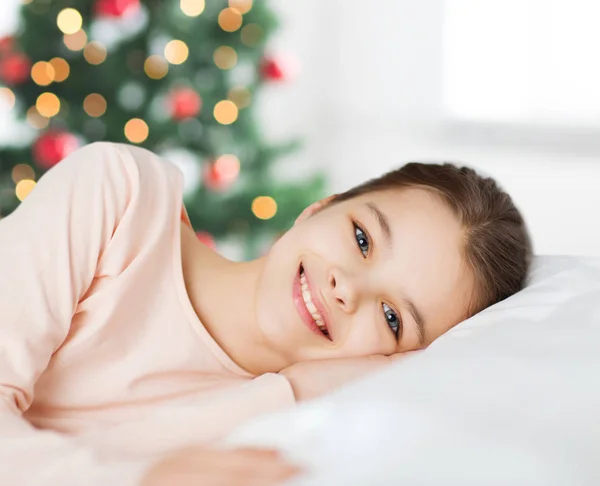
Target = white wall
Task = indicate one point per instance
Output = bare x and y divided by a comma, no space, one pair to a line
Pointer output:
369,97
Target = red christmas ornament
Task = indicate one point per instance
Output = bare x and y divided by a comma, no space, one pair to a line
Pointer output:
52,147
184,103
206,238
116,8
15,68
270,69
221,174
278,68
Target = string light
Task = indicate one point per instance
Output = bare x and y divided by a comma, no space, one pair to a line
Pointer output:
9,97
192,8
48,105
176,52
24,188
94,53
42,73
252,35
156,67
225,57
230,19
61,69
264,207
35,119
69,21
76,41
95,105
22,171
225,112
136,130
242,6
240,95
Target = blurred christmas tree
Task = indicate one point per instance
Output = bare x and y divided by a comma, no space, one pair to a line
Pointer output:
179,77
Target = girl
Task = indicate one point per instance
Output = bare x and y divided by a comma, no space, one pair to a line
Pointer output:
110,307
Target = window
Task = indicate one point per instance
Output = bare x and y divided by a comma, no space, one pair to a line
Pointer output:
522,61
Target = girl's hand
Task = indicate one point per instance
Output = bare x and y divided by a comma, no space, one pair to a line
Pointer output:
311,379
213,467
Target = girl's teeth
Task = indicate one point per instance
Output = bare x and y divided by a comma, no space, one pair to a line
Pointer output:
309,304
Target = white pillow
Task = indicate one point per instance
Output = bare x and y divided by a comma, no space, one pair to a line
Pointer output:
510,396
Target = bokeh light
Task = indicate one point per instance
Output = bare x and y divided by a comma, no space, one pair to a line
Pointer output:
8,97
35,119
95,105
225,112
131,95
192,8
76,41
43,73
94,129
240,95
264,207
227,168
225,57
176,52
252,34
136,130
22,171
23,188
94,53
48,105
230,19
69,21
61,69
156,67
242,6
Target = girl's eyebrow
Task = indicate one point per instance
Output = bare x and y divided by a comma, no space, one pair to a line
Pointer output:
384,225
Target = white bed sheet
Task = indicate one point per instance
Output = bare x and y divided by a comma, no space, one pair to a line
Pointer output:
510,396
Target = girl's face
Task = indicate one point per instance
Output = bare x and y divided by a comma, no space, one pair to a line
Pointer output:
378,274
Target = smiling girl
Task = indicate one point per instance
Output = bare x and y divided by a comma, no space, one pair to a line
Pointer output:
110,307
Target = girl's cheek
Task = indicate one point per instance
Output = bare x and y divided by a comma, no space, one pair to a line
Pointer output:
365,340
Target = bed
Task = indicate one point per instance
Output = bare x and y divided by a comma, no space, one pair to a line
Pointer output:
510,396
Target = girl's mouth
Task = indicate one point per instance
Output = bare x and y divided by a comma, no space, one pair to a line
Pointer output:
305,305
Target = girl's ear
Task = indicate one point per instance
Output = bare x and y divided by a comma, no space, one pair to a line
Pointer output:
314,208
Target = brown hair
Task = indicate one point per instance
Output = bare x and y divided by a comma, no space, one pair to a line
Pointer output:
497,247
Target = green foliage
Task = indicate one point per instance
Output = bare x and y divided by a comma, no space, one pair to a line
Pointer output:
121,78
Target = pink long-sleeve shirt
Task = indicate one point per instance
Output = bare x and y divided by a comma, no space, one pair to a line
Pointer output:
97,331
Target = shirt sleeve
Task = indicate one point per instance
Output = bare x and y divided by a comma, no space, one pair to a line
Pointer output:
191,422
49,249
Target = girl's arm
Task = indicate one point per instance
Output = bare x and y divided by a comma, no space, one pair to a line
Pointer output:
312,379
49,249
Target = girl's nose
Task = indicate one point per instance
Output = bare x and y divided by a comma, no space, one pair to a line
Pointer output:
344,290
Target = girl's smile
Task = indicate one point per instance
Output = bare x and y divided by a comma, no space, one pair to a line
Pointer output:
310,306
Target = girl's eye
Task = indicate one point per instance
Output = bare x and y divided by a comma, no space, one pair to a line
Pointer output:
361,240
392,319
